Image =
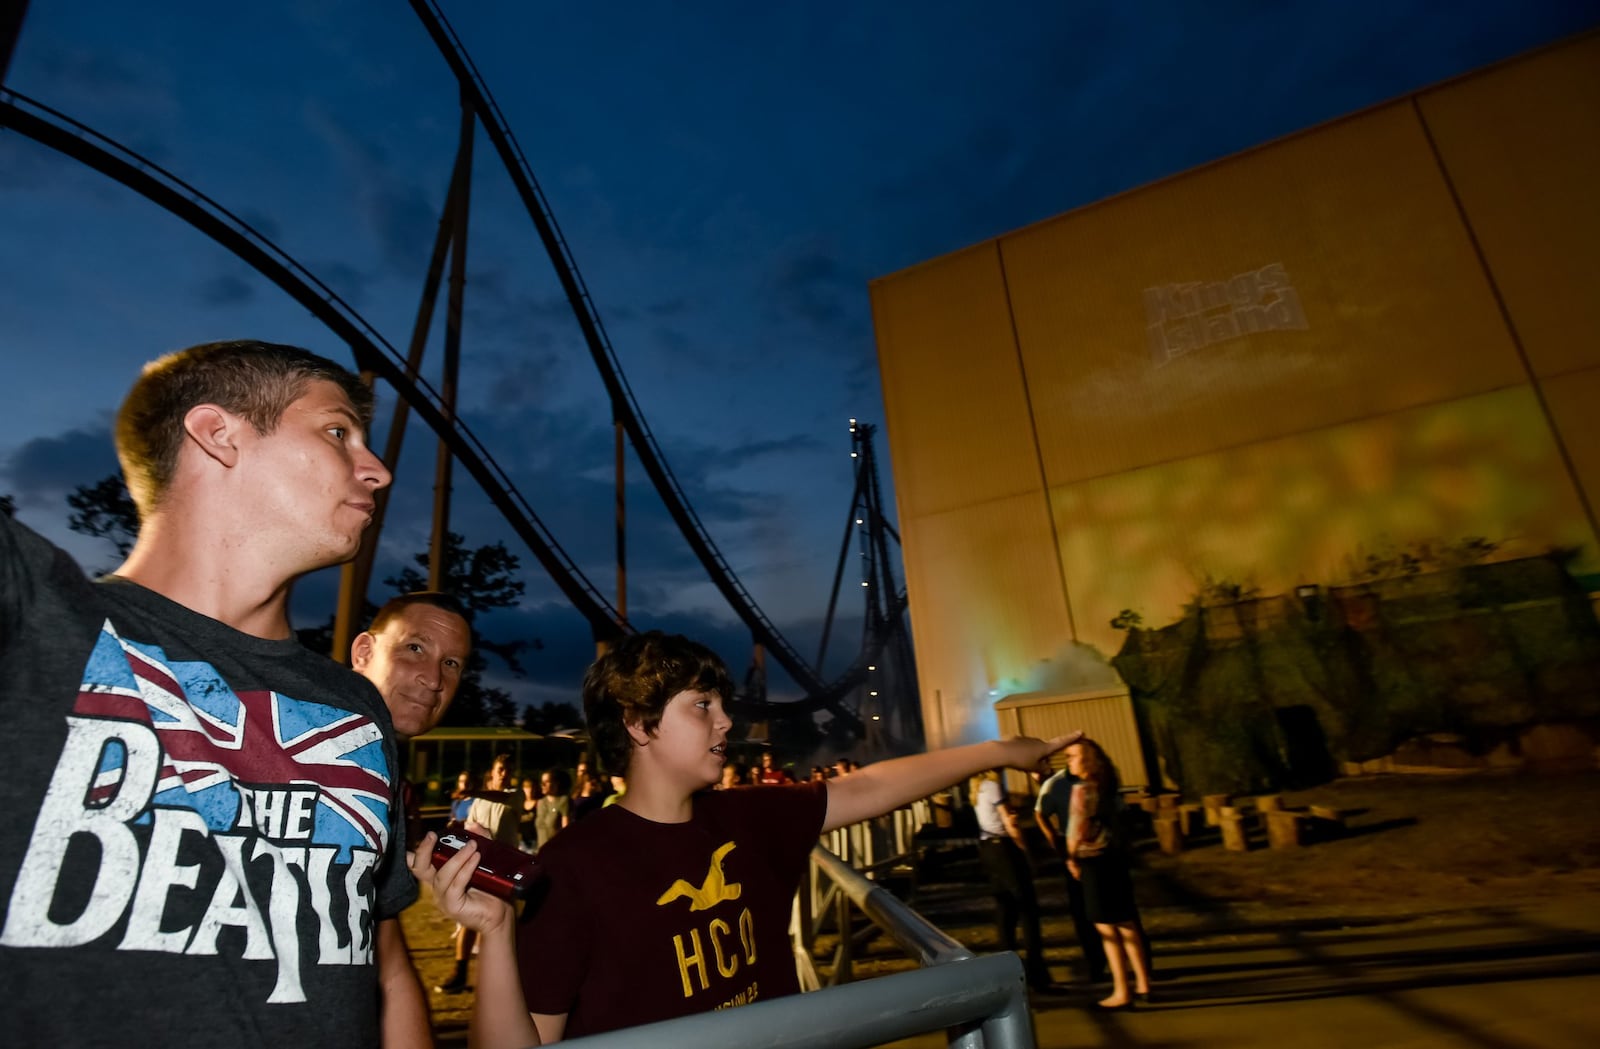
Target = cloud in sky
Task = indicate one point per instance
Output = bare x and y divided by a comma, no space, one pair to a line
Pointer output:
225,290
401,215
813,287
45,468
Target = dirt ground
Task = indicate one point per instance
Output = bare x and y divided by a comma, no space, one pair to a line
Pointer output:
1412,845
1413,841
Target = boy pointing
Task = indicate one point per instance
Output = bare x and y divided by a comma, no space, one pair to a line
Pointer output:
676,900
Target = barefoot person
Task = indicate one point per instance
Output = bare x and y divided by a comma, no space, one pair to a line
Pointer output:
1099,862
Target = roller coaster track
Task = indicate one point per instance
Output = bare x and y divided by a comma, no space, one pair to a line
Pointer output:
65,135
374,353
476,94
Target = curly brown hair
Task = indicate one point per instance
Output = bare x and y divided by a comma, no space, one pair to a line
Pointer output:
633,682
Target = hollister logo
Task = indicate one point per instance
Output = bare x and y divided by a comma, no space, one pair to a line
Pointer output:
709,893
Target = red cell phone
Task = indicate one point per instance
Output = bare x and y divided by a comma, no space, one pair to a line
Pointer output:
505,871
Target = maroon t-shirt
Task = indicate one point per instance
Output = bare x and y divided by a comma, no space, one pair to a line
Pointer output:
644,921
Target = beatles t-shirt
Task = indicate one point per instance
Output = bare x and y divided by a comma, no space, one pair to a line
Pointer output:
201,826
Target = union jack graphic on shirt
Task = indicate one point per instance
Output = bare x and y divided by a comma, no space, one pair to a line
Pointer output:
242,823
289,769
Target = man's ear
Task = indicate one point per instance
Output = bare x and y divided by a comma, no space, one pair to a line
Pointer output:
636,732
215,431
361,650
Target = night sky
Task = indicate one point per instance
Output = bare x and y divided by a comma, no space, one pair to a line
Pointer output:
729,177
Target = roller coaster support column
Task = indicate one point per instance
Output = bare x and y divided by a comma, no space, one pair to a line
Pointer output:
622,516
452,362
11,17
356,577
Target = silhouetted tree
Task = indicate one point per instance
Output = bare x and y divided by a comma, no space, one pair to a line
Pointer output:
482,578
8,506
549,717
105,510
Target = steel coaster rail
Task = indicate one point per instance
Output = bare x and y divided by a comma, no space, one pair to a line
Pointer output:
830,695
57,130
476,90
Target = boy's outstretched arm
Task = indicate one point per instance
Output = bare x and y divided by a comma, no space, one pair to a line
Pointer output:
875,789
500,1017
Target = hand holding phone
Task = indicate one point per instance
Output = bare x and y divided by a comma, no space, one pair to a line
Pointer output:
502,870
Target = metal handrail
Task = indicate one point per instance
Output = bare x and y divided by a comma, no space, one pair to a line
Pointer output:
917,936
933,949
985,991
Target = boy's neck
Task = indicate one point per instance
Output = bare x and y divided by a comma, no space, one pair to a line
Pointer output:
656,802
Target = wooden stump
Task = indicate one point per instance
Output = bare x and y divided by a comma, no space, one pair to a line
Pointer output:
1231,820
1331,820
1269,803
1169,834
1283,829
1213,802
1189,818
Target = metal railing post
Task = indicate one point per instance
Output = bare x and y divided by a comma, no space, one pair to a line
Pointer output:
1013,1027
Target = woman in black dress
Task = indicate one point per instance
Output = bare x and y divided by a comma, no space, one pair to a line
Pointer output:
1097,860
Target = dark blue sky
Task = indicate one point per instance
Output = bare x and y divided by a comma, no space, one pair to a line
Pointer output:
729,177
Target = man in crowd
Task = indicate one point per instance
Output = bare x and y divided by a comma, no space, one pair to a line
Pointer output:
771,774
203,829
414,653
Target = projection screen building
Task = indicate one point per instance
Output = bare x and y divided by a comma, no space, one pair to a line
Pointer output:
1379,331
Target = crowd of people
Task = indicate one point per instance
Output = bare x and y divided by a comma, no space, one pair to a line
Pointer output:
214,837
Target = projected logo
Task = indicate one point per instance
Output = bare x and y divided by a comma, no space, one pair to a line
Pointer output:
1182,318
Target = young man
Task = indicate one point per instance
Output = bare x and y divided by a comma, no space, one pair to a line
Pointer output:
675,900
414,653
200,808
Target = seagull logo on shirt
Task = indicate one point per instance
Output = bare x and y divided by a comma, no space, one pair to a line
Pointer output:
714,890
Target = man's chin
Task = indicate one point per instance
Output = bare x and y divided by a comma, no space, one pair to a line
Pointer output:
408,726
335,551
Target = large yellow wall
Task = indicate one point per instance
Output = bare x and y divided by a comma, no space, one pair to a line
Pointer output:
1380,331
